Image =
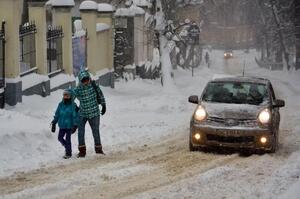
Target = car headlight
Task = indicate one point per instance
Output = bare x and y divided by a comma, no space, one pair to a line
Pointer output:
225,54
200,113
231,54
264,116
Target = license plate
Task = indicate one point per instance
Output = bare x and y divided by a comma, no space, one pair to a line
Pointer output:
229,132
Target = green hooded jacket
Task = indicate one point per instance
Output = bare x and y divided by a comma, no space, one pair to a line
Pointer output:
87,97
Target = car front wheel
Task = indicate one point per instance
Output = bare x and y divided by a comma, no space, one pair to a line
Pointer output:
274,144
191,146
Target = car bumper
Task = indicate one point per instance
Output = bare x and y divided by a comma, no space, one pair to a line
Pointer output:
231,137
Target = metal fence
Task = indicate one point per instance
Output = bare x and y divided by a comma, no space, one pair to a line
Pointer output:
54,50
27,48
124,44
2,65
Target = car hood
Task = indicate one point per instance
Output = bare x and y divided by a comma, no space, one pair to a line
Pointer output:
232,111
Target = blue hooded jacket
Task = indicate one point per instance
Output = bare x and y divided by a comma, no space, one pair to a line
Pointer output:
66,115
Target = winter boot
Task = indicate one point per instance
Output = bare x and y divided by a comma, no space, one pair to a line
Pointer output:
82,151
99,150
67,156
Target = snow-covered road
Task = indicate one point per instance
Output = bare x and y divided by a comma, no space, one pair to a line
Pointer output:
146,137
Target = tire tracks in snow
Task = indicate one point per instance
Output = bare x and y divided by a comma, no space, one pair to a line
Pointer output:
169,161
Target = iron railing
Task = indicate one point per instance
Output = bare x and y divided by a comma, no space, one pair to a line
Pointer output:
54,50
27,48
2,65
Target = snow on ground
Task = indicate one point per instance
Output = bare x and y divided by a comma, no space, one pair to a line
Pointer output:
141,112
272,175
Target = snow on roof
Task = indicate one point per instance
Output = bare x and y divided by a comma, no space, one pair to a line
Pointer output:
102,27
142,3
69,3
124,12
221,76
48,3
232,78
131,11
88,5
105,7
137,10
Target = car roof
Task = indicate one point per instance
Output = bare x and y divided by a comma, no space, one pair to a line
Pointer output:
257,80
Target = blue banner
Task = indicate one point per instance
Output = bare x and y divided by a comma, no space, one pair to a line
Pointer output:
79,54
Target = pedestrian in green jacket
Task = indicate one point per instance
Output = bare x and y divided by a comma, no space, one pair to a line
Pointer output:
89,96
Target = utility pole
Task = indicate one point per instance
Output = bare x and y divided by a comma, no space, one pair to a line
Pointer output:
297,32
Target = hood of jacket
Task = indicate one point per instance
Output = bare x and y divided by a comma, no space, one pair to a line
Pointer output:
83,74
70,92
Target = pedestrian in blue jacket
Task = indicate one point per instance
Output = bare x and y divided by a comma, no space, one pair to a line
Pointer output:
66,115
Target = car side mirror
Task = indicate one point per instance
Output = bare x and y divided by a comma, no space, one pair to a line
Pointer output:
194,99
279,103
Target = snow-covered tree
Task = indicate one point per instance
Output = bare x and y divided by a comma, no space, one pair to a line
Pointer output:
276,30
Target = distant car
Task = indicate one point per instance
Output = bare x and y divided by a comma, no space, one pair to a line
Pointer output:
236,112
228,54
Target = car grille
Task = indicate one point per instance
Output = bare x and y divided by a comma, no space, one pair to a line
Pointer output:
230,139
232,122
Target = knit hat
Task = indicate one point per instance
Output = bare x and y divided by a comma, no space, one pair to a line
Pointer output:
67,92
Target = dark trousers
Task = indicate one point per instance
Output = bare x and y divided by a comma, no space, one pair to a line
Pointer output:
64,137
94,123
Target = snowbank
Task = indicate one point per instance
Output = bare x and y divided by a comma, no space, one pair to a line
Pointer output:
293,192
101,73
33,79
100,27
61,79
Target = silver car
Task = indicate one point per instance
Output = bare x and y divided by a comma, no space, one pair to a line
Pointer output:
236,112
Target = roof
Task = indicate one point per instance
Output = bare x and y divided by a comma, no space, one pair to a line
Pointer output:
257,80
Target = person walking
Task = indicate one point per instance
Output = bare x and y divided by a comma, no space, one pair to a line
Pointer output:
89,96
207,61
66,115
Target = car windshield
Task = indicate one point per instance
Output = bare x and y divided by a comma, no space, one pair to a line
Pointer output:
235,93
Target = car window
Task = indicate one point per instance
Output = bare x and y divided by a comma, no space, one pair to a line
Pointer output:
236,93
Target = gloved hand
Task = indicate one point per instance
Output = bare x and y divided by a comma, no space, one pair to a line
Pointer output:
103,111
77,109
53,127
74,129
